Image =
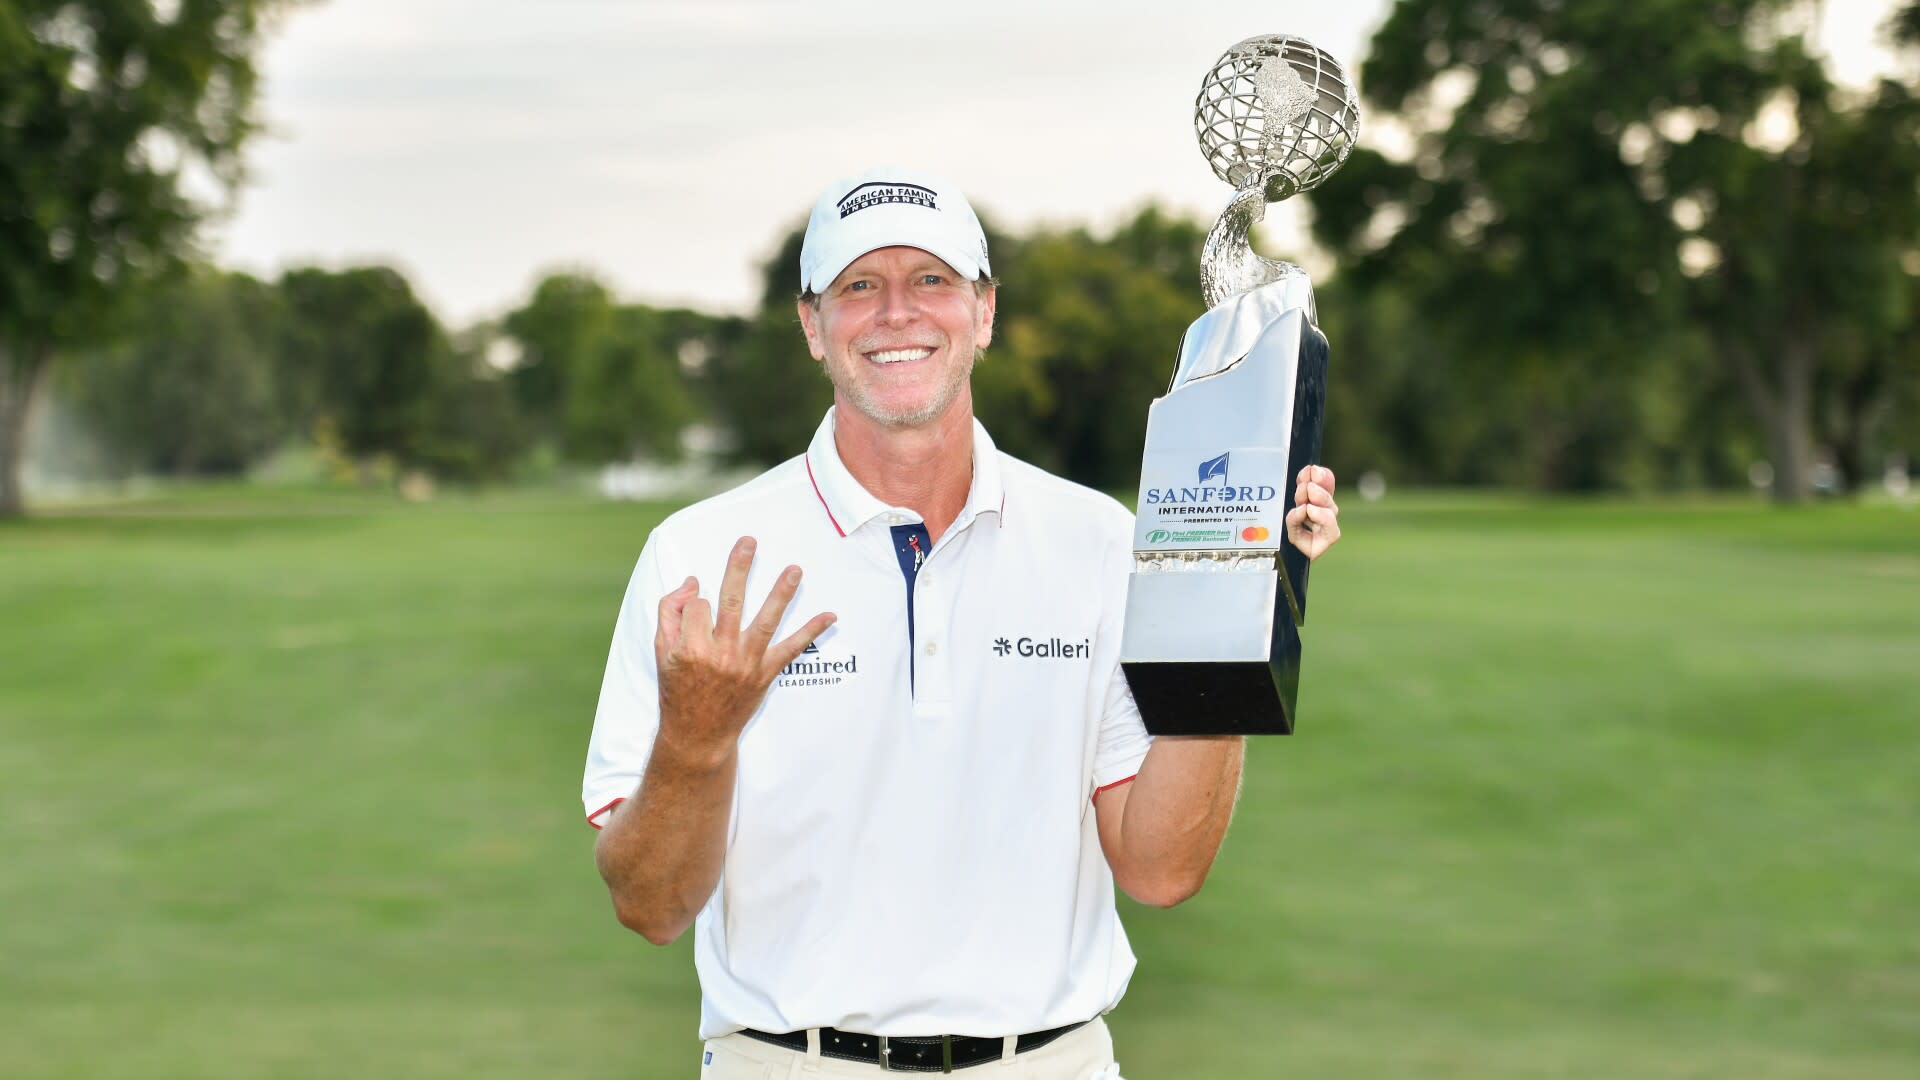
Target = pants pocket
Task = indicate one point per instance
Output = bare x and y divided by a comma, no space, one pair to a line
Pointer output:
719,1061
722,1059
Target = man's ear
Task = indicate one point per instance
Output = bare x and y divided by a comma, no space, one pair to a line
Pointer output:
810,325
987,299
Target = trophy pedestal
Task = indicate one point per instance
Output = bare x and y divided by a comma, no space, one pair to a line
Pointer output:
1225,648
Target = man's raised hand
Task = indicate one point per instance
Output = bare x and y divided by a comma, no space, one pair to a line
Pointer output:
714,671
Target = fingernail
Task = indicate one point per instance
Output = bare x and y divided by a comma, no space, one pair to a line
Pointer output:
793,575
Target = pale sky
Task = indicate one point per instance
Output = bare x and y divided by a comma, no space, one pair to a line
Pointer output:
666,144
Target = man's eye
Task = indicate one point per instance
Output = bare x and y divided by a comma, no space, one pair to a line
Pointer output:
931,279
857,286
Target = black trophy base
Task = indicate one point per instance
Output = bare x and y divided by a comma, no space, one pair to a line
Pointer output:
1309,423
1250,697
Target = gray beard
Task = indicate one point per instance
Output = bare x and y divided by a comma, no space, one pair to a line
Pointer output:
856,396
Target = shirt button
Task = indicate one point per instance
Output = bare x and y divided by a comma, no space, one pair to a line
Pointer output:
932,647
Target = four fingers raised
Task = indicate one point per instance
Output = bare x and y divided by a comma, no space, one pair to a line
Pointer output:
687,621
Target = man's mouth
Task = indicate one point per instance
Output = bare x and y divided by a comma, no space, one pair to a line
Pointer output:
899,356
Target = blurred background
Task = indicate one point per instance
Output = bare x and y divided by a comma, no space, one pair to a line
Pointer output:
350,349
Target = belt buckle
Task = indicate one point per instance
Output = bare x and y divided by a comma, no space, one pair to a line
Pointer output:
946,1054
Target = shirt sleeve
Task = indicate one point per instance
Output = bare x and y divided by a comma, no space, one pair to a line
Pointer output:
1123,739
628,715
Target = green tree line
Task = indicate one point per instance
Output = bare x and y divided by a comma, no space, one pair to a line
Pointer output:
227,368
1630,247
1631,225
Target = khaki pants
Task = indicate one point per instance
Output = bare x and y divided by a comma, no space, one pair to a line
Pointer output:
1078,1055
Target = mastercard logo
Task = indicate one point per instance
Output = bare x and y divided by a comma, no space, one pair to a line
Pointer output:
1253,534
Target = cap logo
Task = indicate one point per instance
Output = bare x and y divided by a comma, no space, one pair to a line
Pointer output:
876,192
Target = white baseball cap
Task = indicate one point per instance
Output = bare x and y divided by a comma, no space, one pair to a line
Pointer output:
888,207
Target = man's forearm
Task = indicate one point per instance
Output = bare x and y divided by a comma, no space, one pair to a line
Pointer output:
1176,814
662,850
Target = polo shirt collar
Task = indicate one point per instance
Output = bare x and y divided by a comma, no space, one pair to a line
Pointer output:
848,505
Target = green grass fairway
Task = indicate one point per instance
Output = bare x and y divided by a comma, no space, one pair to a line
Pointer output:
1581,790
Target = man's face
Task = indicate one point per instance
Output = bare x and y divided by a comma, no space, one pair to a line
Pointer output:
896,332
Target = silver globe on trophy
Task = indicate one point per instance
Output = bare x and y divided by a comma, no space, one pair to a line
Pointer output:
1214,607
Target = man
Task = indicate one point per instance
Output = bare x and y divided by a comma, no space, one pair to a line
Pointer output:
896,824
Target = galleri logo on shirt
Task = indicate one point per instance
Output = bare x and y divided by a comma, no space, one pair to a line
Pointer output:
1051,648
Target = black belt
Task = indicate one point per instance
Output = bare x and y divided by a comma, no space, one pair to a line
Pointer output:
933,1053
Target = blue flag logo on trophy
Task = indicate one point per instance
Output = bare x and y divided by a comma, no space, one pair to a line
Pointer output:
1215,468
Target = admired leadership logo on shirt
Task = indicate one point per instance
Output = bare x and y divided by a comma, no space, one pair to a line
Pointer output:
1050,648
878,192
816,668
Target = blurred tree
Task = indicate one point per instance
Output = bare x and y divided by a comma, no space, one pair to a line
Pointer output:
763,387
1418,398
191,387
105,106
375,352
1088,332
1587,175
1889,358
1396,403
1904,26
1864,198
472,429
556,328
626,394
606,381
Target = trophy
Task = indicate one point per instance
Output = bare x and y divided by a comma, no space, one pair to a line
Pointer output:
1211,644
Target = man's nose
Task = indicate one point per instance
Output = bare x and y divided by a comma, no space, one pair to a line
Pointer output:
899,306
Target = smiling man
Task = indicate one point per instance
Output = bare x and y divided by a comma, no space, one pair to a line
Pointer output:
896,825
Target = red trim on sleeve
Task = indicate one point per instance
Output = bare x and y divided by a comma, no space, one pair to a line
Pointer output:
1115,784
603,810
822,498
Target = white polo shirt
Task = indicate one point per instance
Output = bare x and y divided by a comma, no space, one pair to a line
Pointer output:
912,848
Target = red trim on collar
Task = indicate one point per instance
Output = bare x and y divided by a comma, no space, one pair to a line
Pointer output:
808,459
